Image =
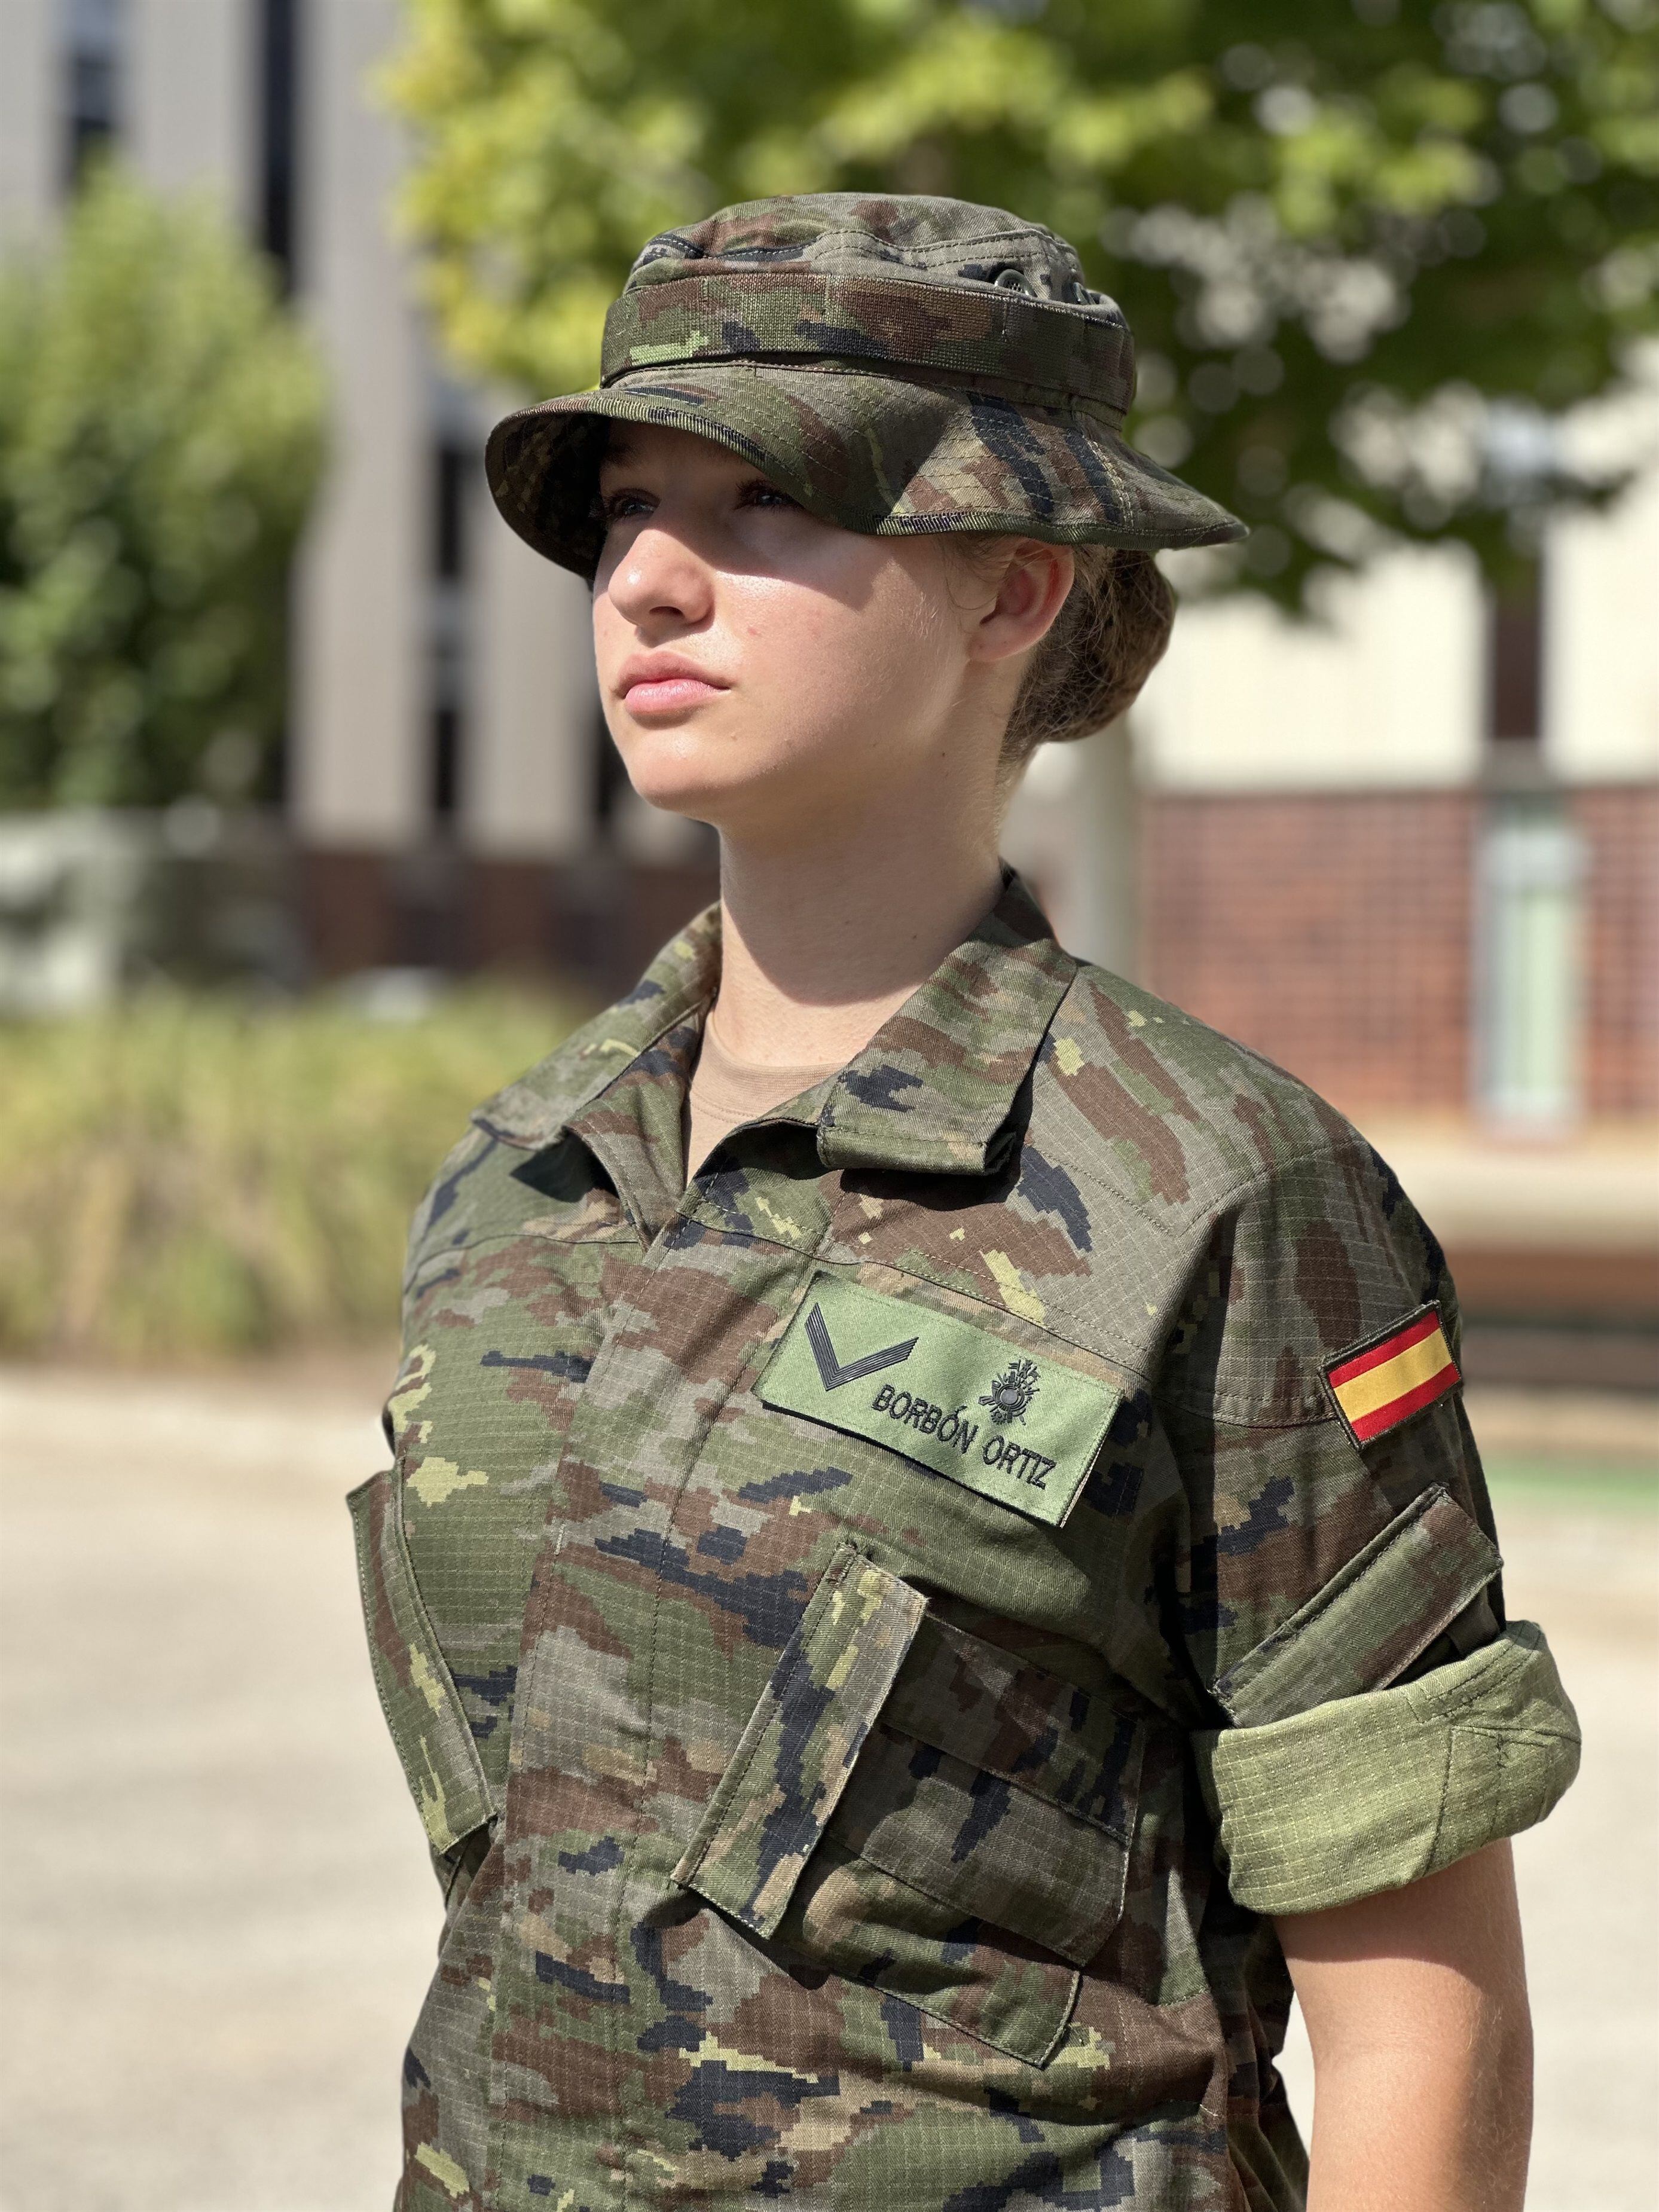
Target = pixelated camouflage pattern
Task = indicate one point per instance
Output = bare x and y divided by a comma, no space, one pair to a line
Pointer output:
1427,1570
973,1950
417,1694
897,365
795,1757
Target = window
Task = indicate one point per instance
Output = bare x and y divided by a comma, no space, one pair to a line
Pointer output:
93,41
279,62
1515,671
454,471
1530,965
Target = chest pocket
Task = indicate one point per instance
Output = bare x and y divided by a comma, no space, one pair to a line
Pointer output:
920,1811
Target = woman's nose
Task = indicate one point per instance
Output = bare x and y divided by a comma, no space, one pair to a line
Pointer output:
659,579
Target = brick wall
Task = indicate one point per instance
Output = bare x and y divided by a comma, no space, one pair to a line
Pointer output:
591,927
1331,931
1621,825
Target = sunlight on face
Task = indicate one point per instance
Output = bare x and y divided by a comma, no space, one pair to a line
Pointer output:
758,666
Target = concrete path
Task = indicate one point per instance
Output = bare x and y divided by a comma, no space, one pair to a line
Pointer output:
218,1917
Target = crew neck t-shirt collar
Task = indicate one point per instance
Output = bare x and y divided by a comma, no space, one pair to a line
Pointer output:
726,1091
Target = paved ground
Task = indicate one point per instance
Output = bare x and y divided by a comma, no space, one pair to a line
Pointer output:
218,1917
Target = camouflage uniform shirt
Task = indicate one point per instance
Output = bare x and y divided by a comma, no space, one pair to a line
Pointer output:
874,1636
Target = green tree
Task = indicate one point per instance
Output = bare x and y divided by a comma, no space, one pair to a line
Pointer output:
1369,247
161,435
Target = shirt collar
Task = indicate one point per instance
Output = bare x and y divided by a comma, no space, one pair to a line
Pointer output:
931,1091
537,1110
934,1087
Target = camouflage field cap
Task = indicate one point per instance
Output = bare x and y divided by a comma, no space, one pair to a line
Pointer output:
898,365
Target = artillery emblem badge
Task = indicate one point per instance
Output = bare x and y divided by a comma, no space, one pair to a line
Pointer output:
1010,1396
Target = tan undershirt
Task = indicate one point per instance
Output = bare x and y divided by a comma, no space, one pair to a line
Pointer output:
726,1091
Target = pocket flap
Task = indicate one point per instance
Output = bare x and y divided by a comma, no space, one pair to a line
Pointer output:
801,1741
989,1848
422,1706
995,1711
1371,1620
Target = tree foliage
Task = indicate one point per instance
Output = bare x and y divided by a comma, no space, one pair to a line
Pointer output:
1369,247
161,435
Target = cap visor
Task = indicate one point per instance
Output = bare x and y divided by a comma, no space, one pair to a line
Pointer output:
884,455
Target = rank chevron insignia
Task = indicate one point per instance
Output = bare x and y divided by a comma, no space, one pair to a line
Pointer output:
928,1414
833,1373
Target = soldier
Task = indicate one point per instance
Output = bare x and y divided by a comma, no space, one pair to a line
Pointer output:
908,1639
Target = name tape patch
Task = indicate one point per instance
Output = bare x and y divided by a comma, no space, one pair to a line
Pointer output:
1014,1426
1389,1380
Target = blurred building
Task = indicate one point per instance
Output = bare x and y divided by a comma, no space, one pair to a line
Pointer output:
1414,854
448,786
1411,852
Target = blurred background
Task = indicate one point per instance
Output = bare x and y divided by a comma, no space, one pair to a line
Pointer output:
311,835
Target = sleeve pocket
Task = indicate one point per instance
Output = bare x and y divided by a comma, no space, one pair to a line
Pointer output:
417,1694
918,1810
1377,1614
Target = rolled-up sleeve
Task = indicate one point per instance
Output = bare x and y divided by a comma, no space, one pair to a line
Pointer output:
1339,1599
1369,1792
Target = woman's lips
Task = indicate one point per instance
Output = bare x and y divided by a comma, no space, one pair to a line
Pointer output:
669,694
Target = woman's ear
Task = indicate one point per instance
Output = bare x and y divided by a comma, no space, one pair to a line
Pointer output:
1029,595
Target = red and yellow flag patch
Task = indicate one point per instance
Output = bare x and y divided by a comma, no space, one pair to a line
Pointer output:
1385,1383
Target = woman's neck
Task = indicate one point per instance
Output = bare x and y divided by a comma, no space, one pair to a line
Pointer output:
823,941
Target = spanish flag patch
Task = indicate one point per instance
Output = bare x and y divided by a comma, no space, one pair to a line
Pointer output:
1385,1382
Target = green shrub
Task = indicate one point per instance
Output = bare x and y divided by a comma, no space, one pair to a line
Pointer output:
191,1176
161,431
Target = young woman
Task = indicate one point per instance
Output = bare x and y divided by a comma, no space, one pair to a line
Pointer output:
935,1566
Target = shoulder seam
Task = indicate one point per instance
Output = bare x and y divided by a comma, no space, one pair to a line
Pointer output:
1086,969
1229,1412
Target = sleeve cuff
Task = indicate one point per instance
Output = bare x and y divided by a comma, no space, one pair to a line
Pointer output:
1368,1793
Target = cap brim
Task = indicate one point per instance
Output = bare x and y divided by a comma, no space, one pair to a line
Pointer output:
884,455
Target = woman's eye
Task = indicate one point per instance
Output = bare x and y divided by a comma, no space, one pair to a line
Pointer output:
618,506
758,493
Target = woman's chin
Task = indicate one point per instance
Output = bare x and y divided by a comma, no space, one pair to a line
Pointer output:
703,782
680,788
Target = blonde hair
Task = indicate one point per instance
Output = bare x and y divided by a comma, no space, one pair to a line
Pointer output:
1103,644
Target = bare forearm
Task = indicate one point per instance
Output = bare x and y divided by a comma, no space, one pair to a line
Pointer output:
1436,2123
1416,2007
